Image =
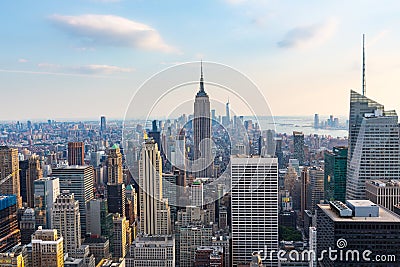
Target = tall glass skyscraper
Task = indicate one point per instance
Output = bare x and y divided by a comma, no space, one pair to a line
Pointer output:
374,145
335,174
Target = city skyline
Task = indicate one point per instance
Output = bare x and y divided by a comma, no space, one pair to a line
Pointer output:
72,57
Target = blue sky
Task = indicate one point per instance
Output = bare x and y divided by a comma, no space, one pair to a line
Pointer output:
86,58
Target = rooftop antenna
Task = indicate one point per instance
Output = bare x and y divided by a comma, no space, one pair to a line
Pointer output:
201,77
364,82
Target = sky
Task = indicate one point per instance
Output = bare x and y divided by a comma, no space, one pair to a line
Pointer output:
79,59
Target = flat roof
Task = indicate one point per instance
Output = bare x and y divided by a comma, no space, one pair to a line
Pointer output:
384,216
384,183
72,167
241,159
362,203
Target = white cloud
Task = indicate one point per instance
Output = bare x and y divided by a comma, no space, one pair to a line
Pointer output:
86,69
309,36
102,69
112,30
22,60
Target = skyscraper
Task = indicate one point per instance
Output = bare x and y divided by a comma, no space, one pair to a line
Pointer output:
23,173
154,209
120,234
180,152
66,219
360,225
76,153
298,146
114,165
27,226
10,235
99,220
47,248
103,125
116,198
202,133
305,192
270,142
254,207
80,181
316,121
317,186
226,120
385,193
46,191
115,187
374,145
335,169
30,170
197,197
152,251
156,135
9,174
192,237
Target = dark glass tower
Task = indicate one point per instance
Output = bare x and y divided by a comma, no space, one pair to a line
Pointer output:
335,170
298,143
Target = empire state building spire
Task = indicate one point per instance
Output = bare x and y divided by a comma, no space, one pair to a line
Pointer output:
201,90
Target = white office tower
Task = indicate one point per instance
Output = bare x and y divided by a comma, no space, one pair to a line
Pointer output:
154,209
313,246
180,151
254,208
197,194
66,219
374,145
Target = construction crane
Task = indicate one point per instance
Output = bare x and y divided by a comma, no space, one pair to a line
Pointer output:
2,181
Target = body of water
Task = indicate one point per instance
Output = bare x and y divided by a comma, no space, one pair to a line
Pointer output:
305,124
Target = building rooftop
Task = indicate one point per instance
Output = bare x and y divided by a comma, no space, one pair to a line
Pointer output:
384,183
153,240
384,214
72,167
252,159
362,203
215,249
95,240
7,201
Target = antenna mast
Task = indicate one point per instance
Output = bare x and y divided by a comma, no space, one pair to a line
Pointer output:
364,82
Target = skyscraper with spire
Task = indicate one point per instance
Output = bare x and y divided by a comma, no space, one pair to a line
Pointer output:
374,145
202,132
374,141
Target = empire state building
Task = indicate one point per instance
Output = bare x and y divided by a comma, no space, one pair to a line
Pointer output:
203,159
